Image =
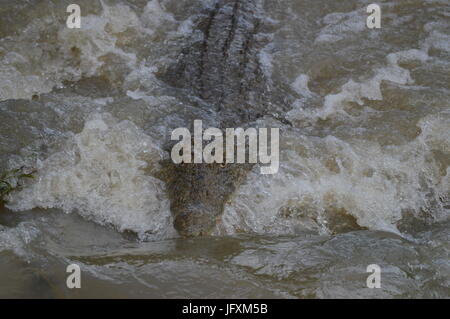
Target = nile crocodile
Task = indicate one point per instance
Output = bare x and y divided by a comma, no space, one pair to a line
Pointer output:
223,69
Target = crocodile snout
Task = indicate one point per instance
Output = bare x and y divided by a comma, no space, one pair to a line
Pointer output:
195,221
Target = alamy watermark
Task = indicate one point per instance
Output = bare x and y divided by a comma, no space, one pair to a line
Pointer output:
374,19
74,279
235,150
74,19
374,279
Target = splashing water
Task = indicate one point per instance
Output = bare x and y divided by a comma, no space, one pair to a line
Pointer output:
364,164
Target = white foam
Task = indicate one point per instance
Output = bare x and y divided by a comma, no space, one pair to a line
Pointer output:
438,40
369,89
339,26
100,174
266,61
155,15
375,184
29,69
97,37
18,238
300,85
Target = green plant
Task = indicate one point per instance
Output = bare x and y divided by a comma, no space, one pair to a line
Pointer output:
12,180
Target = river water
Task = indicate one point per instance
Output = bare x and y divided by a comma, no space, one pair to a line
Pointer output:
364,163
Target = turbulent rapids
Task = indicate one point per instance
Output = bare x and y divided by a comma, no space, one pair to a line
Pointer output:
364,148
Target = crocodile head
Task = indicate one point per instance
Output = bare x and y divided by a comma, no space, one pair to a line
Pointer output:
199,192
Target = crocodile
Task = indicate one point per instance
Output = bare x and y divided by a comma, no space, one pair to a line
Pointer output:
223,70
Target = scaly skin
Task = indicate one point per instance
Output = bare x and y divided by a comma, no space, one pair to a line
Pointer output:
223,70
